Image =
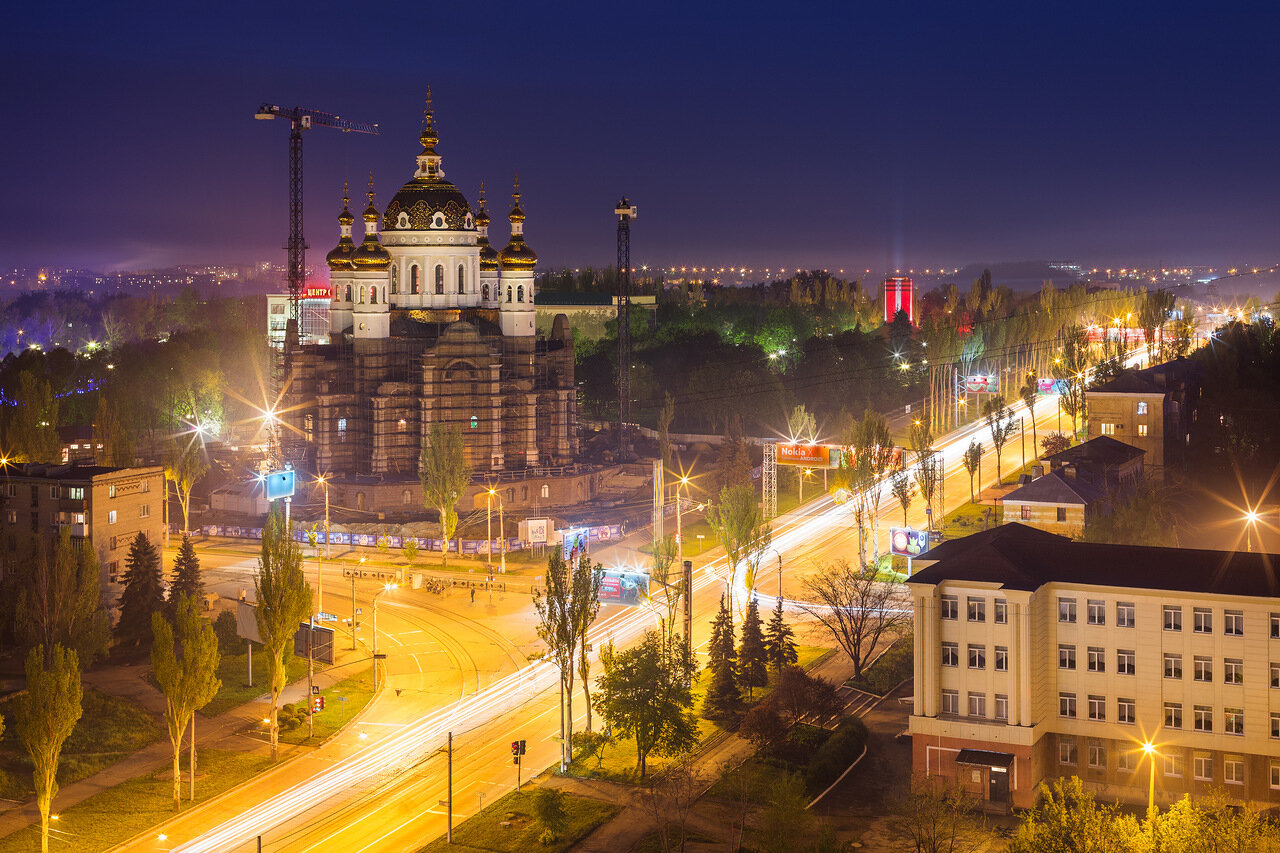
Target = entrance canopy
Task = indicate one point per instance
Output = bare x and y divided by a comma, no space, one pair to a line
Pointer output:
983,758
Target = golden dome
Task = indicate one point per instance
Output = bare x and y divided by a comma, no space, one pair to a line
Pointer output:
339,258
371,255
518,255
488,255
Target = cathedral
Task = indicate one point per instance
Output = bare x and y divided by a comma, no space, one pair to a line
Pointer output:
430,324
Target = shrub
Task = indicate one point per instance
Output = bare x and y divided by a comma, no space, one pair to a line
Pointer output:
889,670
834,756
549,809
763,726
588,745
224,627
800,694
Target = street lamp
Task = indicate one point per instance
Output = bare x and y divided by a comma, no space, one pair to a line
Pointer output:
322,480
1251,521
1150,749
385,588
502,532
683,481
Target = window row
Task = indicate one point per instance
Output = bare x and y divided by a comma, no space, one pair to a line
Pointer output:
976,609
1202,620
977,656
1095,612
1202,669
976,705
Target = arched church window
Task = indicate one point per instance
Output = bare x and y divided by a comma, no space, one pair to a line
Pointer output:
484,293
373,295
462,278
348,293
395,280
440,279
406,497
413,279
362,294
508,293
520,293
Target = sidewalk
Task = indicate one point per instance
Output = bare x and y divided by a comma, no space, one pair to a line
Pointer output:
230,731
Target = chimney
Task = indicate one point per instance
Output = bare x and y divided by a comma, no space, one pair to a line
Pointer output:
1069,471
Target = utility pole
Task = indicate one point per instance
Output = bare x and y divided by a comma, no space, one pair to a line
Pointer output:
449,837
626,212
688,603
353,611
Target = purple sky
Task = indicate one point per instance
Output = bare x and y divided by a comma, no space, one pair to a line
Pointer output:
835,135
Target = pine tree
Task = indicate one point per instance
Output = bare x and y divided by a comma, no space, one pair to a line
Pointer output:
753,670
780,648
143,593
723,696
186,575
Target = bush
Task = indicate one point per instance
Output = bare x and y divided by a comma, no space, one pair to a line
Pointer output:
291,716
800,694
835,756
890,669
763,726
588,745
224,627
800,745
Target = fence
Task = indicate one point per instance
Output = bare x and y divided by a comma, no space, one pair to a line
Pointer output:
472,547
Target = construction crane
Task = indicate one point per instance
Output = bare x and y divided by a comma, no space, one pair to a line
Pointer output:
302,119
626,212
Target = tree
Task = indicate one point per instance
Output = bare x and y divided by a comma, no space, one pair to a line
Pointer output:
50,711
665,417
1030,394
753,661
1209,824
186,575
763,726
1002,426
786,824
60,601
188,682
780,646
1067,819
873,444
1153,311
1070,369
143,592
972,460
184,464
904,490
935,818
586,580
550,812
32,433
646,693
723,696
733,462
109,434
1054,443
445,473
567,605
1148,517
284,602
740,525
669,800
661,575
856,608
409,550
928,472
802,427
799,694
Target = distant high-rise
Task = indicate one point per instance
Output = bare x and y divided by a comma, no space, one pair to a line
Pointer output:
899,295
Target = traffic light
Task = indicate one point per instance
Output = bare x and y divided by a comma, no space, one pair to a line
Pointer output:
521,747
515,752
317,704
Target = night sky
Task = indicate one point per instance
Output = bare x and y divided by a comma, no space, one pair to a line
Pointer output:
841,135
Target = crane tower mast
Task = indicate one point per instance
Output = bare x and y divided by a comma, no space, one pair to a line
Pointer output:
626,212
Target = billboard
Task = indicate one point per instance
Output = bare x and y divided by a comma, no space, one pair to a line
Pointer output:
278,484
535,531
808,455
906,542
574,542
321,639
981,383
898,293
623,586
1048,387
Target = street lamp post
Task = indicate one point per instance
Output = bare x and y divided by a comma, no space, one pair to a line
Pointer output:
1150,750
1250,521
683,481
488,527
386,588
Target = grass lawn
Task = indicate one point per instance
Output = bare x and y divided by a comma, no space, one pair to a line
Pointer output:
970,518
117,814
617,761
890,669
484,831
342,701
235,691
109,729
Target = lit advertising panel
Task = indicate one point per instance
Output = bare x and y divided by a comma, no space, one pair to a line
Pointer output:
574,542
622,586
278,484
982,384
906,542
808,455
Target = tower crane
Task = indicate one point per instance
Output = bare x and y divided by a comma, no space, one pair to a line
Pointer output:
626,211
301,119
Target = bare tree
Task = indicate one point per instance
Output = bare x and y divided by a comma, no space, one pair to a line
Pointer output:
856,608
935,818
1069,368
669,800
444,473
972,460
1002,426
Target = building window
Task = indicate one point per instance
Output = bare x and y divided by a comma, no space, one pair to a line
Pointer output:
509,292
11,516
113,569
1002,706
1097,755
1066,610
1067,751
112,542
1066,705
484,293
950,654
1233,770
1108,429
977,704
1142,407
1172,617
76,493
519,293
1097,708
406,497
1202,620
950,702
1127,760
950,607
1275,725
439,280
1203,718
1096,612
1275,774
1125,661
342,430
1275,674
1001,615
1275,626
1066,657
1202,668
1142,430
977,609
111,517
1202,767
1173,715
1233,623
1126,711
1026,513
1233,721
1233,671
414,283
1124,614
395,280
1002,658
1172,665
1097,659
546,491
144,511
1173,764
146,485
1061,514
462,278
111,493
977,657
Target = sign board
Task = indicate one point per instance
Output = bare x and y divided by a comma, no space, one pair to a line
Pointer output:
314,292
247,621
371,574
981,383
622,586
321,643
535,531
574,542
278,484
326,617
808,455
906,542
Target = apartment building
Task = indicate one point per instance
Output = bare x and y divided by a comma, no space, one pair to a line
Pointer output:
1150,409
106,507
1037,656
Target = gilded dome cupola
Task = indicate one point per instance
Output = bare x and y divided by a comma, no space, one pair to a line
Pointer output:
488,254
429,202
371,255
517,255
340,257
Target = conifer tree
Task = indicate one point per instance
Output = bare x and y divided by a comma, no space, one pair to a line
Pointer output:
186,575
723,696
780,647
753,670
143,593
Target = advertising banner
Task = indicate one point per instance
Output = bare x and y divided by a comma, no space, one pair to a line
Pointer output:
982,384
808,455
906,542
574,542
278,484
621,586
535,530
